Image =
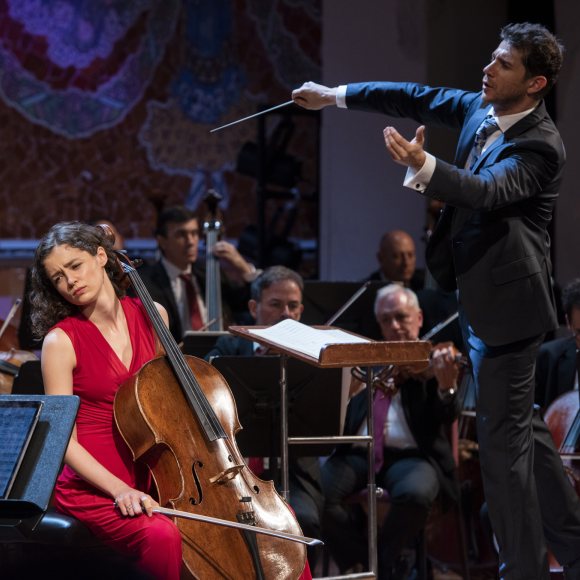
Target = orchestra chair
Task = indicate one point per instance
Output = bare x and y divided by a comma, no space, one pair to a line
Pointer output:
422,567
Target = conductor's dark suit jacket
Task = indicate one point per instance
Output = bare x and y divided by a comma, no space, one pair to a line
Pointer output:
491,241
555,370
428,418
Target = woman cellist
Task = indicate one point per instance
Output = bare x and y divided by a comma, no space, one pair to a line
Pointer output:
97,338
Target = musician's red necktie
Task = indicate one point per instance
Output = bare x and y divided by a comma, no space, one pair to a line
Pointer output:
193,304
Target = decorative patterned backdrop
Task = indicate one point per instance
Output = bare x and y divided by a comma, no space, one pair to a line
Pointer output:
105,107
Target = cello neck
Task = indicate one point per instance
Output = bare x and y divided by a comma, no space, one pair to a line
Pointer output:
191,388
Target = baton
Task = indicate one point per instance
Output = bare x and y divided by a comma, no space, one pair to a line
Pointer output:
252,116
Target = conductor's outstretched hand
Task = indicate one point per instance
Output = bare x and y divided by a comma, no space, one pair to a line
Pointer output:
314,97
408,153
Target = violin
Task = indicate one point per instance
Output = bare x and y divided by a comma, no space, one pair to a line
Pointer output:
212,227
390,377
178,416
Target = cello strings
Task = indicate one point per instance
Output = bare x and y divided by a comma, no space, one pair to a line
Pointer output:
184,374
206,415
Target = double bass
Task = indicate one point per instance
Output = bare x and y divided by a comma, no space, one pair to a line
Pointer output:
178,416
212,228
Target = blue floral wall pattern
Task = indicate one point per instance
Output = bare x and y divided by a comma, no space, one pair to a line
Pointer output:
106,106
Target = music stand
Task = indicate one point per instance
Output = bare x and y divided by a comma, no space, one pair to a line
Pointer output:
32,489
314,403
341,351
28,379
199,343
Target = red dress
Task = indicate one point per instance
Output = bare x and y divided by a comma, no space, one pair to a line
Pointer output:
154,543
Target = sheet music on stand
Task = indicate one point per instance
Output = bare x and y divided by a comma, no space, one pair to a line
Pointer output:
305,339
328,346
17,422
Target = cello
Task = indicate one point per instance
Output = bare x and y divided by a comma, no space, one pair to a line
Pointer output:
563,420
178,416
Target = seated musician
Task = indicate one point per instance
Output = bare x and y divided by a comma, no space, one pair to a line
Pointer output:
177,281
277,295
557,362
397,260
416,462
96,338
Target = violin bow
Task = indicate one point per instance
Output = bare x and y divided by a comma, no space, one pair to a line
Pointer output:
10,316
348,303
438,327
229,524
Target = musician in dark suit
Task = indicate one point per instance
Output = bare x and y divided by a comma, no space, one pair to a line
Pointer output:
492,244
417,460
556,367
397,260
277,295
177,234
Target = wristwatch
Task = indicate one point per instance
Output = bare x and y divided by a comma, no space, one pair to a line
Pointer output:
447,394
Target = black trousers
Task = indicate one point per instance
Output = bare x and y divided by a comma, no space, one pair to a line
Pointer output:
525,495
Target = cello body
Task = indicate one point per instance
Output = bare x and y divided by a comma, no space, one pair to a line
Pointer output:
206,477
563,420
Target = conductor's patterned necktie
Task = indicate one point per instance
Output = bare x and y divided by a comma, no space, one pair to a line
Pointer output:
488,127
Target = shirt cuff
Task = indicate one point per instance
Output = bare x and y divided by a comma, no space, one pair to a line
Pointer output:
419,180
341,97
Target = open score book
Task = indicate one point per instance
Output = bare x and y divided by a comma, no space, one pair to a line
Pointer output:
305,339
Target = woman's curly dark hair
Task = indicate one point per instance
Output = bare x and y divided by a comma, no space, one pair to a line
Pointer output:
48,306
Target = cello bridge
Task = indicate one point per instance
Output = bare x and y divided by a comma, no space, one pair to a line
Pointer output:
227,474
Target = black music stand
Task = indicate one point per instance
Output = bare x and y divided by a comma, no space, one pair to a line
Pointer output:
199,343
314,403
28,380
32,489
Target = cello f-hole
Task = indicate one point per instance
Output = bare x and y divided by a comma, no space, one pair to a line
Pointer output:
192,500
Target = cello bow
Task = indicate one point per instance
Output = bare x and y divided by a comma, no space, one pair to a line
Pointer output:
229,524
